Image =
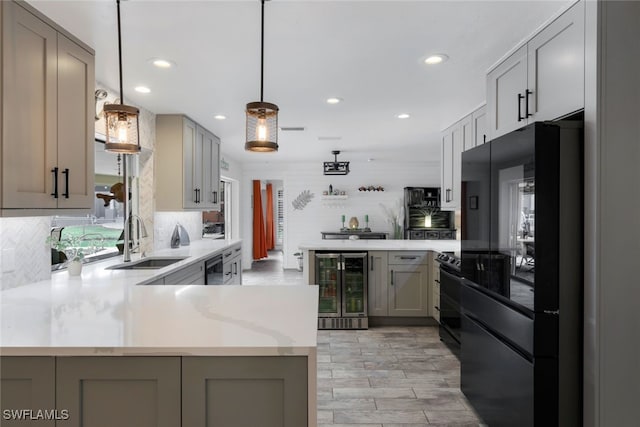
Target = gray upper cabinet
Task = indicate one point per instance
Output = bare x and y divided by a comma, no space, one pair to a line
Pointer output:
189,157
48,80
542,80
454,141
479,120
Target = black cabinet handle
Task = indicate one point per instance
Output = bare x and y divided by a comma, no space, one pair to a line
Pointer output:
520,98
215,196
195,197
235,268
526,103
371,262
436,307
54,171
391,277
66,183
408,257
448,195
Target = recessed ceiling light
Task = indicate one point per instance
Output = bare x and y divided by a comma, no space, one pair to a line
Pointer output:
142,89
436,59
162,63
220,117
403,116
334,100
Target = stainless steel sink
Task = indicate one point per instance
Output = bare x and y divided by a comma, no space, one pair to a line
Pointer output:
147,263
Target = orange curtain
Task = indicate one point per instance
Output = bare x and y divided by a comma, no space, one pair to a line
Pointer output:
270,236
259,241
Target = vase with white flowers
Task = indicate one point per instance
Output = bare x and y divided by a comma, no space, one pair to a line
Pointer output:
395,216
72,250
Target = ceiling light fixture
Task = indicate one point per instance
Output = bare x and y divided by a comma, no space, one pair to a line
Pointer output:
334,100
336,167
262,117
142,89
403,116
436,59
220,117
162,63
121,120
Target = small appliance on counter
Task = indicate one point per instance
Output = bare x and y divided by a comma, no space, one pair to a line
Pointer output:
423,217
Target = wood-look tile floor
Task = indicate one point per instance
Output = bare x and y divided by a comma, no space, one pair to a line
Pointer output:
380,377
389,377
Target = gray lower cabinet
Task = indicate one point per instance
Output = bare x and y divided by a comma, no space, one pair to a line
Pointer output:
244,391
157,391
119,391
26,383
378,287
189,275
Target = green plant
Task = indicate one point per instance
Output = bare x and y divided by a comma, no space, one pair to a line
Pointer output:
395,216
70,246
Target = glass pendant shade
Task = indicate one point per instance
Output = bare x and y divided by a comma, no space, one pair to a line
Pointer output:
122,129
262,127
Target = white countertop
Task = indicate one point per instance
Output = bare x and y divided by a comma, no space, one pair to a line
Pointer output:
103,312
382,245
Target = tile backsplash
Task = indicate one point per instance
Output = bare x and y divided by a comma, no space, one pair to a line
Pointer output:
24,255
165,222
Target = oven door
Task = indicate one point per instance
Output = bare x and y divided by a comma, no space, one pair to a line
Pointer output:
213,271
450,284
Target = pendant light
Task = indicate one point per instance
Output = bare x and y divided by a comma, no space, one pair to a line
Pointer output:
121,120
262,117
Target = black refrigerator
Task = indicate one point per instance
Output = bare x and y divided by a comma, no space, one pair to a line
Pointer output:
521,297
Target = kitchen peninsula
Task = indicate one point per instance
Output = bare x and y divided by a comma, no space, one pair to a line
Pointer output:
166,355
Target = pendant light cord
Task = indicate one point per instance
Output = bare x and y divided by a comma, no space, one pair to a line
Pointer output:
261,53
120,54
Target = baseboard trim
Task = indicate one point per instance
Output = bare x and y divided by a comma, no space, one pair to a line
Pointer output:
402,321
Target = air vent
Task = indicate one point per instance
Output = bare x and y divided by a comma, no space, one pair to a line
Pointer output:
329,138
292,129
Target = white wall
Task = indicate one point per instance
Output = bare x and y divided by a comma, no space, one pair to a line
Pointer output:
319,215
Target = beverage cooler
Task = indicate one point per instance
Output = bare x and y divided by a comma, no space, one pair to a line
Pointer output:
342,279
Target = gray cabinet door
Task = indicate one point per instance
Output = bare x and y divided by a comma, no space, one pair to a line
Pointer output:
506,86
378,286
76,82
119,391
192,156
408,290
244,391
30,85
556,67
27,383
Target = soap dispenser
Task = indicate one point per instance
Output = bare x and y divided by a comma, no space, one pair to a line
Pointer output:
175,237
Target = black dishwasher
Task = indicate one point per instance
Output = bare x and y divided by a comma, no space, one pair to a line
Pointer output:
213,271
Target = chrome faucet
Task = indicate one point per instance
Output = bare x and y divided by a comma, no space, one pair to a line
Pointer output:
141,231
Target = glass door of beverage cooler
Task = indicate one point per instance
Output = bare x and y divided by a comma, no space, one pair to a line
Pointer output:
328,280
354,285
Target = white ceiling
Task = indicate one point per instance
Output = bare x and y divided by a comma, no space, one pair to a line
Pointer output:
367,52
